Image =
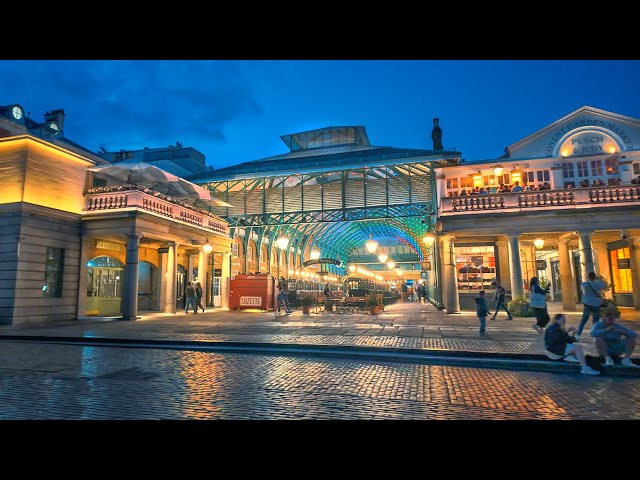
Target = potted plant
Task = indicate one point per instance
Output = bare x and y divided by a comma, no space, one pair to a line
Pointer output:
328,304
306,304
374,308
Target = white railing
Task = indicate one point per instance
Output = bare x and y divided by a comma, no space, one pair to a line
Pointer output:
113,201
578,197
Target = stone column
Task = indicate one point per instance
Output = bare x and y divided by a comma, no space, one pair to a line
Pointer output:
601,257
85,249
586,254
634,261
568,286
225,280
451,300
170,277
190,265
515,267
202,274
130,290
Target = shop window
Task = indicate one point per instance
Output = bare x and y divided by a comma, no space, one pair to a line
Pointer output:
53,270
621,270
475,267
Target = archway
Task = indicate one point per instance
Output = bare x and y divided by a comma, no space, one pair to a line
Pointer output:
104,286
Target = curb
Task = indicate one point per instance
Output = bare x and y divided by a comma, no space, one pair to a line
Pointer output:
510,361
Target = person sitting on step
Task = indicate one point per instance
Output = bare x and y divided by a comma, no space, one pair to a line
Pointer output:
559,344
610,342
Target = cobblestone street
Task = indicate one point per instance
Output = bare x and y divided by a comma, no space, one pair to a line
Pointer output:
40,381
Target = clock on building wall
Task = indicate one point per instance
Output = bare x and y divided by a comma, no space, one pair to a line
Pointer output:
17,112
53,126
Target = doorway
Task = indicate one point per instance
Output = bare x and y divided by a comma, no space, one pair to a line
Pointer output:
148,288
181,284
556,285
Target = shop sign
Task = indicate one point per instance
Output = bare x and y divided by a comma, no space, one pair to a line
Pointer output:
250,301
624,263
108,245
541,264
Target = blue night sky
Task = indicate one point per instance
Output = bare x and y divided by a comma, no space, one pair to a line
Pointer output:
235,111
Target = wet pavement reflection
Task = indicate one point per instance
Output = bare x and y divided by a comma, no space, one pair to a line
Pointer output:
44,381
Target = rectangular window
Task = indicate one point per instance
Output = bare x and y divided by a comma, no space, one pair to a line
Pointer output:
250,253
542,175
582,169
612,166
636,168
567,170
452,183
234,249
53,269
475,267
529,177
596,168
466,182
261,259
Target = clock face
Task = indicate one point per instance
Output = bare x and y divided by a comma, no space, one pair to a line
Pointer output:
53,126
17,112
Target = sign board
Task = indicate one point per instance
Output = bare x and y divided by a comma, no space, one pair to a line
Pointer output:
332,261
250,301
541,264
108,245
424,274
624,263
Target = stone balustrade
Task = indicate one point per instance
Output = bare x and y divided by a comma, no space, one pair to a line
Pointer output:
566,198
128,199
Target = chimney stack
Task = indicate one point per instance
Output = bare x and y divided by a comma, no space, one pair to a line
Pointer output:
436,135
57,117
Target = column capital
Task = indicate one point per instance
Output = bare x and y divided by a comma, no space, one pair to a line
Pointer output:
585,232
513,235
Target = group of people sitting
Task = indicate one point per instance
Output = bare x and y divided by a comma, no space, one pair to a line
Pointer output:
611,339
503,188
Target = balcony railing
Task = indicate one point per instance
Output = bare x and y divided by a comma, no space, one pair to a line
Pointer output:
113,201
573,198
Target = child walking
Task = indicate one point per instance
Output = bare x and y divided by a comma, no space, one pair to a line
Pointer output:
482,312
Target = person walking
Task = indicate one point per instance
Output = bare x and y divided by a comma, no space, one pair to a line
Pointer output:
592,299
190,293
559,344
538,301
482,310
499,298
282,298
198,297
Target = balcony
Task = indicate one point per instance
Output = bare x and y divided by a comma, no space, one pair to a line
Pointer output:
563,199
128,197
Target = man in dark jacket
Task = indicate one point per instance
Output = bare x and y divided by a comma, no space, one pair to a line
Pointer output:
560,344
482,311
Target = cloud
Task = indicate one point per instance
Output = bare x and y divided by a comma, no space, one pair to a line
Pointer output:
132,104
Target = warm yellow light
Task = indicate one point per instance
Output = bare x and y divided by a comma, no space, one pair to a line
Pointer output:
498,170
206,248
391,265
290,272
565,152
612,149
383,257
538,243
399,272
352,268
516,174
429,238
282,242
371,245
315,254
477,176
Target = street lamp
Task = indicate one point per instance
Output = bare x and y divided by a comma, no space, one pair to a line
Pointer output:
315,254
282,241
206,248
371,244
391,264
383,257
429,239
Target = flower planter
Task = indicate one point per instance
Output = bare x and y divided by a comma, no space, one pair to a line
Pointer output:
374,310
305,309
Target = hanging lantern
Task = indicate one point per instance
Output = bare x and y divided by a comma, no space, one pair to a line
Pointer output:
206,248
538,243
371,245
383,257
352,268
498,170
429,239
315,254
391,265
282,241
